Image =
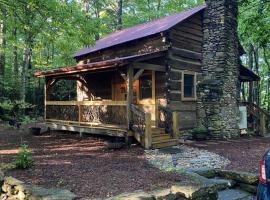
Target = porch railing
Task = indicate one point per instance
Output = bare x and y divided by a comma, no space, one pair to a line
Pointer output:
87,112
141,124
261,116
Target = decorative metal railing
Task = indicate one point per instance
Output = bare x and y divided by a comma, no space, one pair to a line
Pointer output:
138,120
87,112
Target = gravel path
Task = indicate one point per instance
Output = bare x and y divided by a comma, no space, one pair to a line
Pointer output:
84,166
185,157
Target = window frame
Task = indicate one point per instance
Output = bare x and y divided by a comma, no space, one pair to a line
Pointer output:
194,98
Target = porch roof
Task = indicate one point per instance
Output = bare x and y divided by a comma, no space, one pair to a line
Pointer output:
247,75
113,63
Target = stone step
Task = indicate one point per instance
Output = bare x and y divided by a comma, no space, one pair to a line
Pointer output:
164,143
234,194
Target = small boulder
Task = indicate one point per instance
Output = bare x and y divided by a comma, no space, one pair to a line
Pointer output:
206,172
12,181
241,177
50,194
248,188
137,195
195,192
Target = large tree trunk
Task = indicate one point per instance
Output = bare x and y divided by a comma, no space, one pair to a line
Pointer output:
120,15
15,53
25,67
3,43
268,74
257,85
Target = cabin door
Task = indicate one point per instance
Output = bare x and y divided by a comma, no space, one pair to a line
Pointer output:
144,93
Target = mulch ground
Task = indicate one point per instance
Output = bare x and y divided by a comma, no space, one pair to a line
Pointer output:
245,153
84,166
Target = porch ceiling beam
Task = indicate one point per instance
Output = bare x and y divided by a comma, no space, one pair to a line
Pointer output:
138,74
148,66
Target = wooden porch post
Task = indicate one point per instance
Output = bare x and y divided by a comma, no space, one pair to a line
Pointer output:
148,132
130,73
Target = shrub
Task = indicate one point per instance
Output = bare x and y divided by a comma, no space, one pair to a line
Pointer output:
24,158
200,130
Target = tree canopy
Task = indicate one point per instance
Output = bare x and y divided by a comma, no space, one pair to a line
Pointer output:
37,35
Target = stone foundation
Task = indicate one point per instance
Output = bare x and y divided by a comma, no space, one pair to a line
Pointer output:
218,89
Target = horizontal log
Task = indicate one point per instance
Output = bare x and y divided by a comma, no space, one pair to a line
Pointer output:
185,53
185,29
174,75
185,65
174,85
186,44
182,106
181,34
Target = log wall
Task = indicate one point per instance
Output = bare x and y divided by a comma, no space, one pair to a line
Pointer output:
183,55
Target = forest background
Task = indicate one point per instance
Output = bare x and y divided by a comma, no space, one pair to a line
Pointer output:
44,34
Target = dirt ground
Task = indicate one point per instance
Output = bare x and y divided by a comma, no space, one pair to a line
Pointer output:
84,166
244,153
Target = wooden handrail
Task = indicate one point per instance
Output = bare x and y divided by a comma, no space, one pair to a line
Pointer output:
86,103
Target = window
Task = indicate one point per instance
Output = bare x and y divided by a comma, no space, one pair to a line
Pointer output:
189,86
146,86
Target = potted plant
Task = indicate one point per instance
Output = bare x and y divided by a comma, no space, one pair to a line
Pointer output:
200,133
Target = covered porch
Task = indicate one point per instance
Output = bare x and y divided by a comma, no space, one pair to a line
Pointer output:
123,98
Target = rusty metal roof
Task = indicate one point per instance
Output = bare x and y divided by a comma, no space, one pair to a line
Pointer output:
139,31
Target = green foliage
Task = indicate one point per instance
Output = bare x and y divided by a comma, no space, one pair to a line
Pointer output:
200,130
24,158
14,109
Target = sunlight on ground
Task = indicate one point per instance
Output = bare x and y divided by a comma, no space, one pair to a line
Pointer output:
8,152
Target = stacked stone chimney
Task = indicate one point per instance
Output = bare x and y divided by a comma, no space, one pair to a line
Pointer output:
218,89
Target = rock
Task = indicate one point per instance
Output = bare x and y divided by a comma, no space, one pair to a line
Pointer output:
248,188
233,194
195,192
242,177
206,172
222,184
137,195
12,181
50,194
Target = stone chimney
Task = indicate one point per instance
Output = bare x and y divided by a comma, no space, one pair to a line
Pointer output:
218,90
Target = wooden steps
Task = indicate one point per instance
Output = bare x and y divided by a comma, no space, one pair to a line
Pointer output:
161,140
164,143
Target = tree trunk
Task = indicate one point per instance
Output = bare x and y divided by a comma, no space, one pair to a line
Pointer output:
15,53
250,57
256,65
25,67
3,43
268,80
120,15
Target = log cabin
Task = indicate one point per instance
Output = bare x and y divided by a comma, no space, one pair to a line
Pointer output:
140,82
